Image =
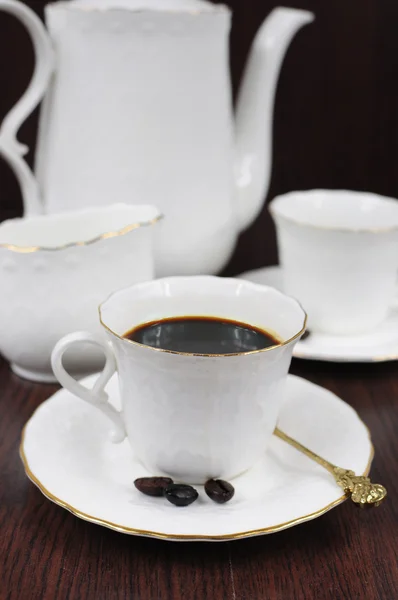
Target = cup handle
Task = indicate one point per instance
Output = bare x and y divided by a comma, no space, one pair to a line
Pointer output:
96,396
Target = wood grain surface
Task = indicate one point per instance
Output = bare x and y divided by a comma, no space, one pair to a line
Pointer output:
335,126
47,553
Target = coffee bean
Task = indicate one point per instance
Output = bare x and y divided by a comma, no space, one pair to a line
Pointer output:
180,494
152,486
305,335
219,490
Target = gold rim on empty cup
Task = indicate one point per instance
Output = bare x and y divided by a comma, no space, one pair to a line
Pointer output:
341,229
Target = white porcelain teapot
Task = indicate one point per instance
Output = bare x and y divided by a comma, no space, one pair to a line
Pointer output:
137,109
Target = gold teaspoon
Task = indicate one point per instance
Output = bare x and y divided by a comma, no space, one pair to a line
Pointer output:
357,487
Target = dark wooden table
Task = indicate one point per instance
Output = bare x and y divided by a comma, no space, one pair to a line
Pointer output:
335,125
48,554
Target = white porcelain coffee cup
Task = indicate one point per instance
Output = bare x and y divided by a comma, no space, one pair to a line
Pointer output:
191,416
339,254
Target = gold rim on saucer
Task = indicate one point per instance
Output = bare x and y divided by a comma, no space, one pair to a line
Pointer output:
185,537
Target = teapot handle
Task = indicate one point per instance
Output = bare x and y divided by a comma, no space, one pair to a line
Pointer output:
10,149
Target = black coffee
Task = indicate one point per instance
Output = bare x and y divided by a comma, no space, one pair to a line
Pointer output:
202,335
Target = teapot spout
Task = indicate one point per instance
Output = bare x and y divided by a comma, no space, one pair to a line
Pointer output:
254,113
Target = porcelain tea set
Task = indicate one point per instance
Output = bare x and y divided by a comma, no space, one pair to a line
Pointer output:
137,107
136,125
136,110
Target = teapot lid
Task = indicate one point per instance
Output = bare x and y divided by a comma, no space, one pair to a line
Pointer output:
160,5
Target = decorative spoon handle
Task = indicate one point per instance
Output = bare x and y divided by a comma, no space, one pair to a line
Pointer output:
357,487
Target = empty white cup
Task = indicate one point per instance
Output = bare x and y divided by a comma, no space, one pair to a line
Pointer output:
339,254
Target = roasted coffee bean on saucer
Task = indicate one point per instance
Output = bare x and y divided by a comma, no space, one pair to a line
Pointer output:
180,494
305,335
152,486
219,490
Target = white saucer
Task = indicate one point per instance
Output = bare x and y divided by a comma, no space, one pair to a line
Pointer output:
66,452
377,346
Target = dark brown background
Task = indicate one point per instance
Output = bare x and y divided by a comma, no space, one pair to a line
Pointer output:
335,126
336,117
